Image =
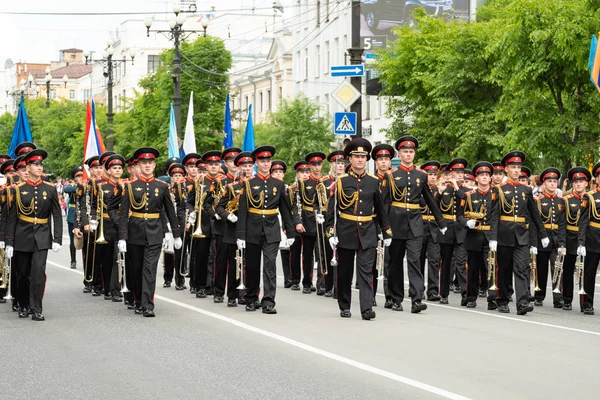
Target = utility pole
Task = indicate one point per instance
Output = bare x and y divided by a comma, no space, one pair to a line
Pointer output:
356,53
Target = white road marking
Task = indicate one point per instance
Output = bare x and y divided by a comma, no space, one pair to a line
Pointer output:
315,350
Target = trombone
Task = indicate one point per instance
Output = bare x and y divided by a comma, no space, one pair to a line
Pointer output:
322,255
579,270
534,272
380,261
181,271
239,265
558,271
100,215
6,276
492,269
121,265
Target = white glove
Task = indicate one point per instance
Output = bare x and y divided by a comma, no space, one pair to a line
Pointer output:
178,243
290,242
93,225
333,241
387,242
122,245
380,236
169,236
471,224
192,218
232,218
217,217
562,251
443,230
2,245
164,244
494,245
533,250
580,251
241,244
320,219
9,251
545,242
55,247
169,246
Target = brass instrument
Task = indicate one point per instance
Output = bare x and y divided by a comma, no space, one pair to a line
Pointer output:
239,265
492,269
283,243
380,261
3,269
77,241
558,271
579,270
219,192
99,215
121,269
321,243
233,204
185,272
198,207
534,272
88,207
6,273
476,215
334,261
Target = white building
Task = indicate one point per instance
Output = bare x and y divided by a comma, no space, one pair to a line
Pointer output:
322,34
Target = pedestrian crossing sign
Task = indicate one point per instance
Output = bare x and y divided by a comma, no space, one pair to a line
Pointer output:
344,123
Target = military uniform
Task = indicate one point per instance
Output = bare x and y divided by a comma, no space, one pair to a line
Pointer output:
295,202
258,230
356,202
142,231
577,217
513,210
29,221
592,245
552,212
284,250
172,262
430,249
72,213
190,160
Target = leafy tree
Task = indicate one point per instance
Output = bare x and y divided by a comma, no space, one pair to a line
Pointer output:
515,79
295,130
7,124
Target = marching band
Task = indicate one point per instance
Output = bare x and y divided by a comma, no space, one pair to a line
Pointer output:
481,232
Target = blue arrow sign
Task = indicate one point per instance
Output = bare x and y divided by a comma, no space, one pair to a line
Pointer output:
344,123
348,70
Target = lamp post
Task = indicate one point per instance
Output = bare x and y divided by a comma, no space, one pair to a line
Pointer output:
109,63
48,80
177,34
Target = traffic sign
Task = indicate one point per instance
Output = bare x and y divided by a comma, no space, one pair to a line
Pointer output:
348,70
345,94
344,123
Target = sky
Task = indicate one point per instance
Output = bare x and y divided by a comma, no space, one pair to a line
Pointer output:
38,38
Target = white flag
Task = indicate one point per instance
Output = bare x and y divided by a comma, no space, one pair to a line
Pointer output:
189,141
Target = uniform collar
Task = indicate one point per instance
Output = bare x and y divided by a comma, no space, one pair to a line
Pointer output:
548,195
146,180
263,177
314,178
354,174
189,179
481,192
513,183
403,168
578,196
36,183
233,178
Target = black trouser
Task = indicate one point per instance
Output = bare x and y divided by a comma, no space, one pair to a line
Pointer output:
326,282
232,275
187,253
143,263
103,265
285,265
544,258
252,276
71,242
129,297
345,274
308,261
447,251
568,278
412,248
32,278
430,251
200,250
220,273
171,268
589,278
88,258
513,259
211,265
295,260
477,268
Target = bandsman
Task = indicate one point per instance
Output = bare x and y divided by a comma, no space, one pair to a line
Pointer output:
430,249
278,170
73,213
293,196
591,251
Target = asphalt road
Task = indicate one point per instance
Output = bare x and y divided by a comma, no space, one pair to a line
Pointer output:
194,349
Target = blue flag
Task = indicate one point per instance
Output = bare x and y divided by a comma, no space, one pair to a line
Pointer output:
21,132
172,142
227,132
248,144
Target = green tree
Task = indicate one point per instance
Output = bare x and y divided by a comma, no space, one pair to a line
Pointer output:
7,124
295,130
515,79
146,123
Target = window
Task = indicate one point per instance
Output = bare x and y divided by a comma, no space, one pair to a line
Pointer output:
260,102
53,94
327,58
345,43
305,64
280,94
86,94
246,103
326,104
269,99
318,61
153,63
298,67
336,51
72,94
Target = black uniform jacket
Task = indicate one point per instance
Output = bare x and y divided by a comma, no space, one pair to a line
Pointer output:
477,201
451,202
552,213
592,239
201,194
577,219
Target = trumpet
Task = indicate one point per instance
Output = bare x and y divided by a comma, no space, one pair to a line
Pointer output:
558,271
380,261
239,265
534,273
321,249
121,266
198,208
492,269
6,271
579,270
3,269
100,215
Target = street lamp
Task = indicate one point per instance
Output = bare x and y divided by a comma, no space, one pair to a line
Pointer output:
48,79
109,63
176,34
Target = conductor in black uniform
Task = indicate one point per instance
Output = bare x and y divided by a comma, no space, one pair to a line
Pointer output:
141,230
29,220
